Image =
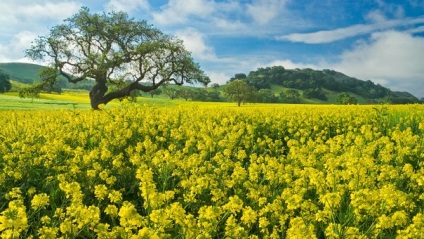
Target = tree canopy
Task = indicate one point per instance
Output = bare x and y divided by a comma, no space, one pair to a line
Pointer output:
239,91
112,47
5,84
313,82
346,99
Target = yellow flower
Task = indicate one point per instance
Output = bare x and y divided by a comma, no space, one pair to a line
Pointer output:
14,217
111,210
100,191
234,205
249,216
115,196
40,200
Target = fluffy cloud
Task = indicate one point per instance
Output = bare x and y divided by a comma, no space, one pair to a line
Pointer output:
127,5
391,58
195,42
351,31
24,21
179,11
263,11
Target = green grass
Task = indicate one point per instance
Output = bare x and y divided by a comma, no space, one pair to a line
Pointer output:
17,86
11,101
80,101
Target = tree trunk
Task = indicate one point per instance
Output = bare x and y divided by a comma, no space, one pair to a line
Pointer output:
97,94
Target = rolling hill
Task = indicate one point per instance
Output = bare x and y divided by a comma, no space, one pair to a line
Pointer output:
27,73
314,86
322,85
22,72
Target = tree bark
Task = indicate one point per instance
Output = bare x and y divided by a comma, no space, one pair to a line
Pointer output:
98,92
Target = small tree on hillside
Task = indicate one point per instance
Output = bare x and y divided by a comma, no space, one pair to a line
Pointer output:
5,84
155,92
239,91
171,92
290,96
346,99
106,47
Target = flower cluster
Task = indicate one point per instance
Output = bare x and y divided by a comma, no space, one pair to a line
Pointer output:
279,171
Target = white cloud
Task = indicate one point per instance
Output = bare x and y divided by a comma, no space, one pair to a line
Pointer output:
376,16
218,77
127,5
14,50
47,10
179,11
264,11
288,64
25,20
351,31
416,30
195,42
393,59
231,25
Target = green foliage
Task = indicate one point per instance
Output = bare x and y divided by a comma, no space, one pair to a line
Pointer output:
5,84
106,47
30,74
155,92
240,91
400,98
171,92
206,95
22,72
316,93
267,96
313,82
49,80
30,92
185,93
346,99
290,96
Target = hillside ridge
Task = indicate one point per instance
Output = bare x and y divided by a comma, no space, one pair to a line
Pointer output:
315,85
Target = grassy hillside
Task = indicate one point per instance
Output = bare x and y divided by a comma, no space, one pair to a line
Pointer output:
28,73
17,86
22,72
278,79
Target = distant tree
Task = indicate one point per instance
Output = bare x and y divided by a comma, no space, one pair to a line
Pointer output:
171,92
422,100
5,84
185,93
205,95
155,92
113,46
346,99
238,76
215,85
290,96
316,93
267,96
401,98
239,91
30,92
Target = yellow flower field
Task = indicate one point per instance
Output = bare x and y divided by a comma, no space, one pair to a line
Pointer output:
276,171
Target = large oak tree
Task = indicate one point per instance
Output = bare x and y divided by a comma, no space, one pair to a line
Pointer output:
111,47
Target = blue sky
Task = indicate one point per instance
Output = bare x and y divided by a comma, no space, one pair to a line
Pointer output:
376,40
